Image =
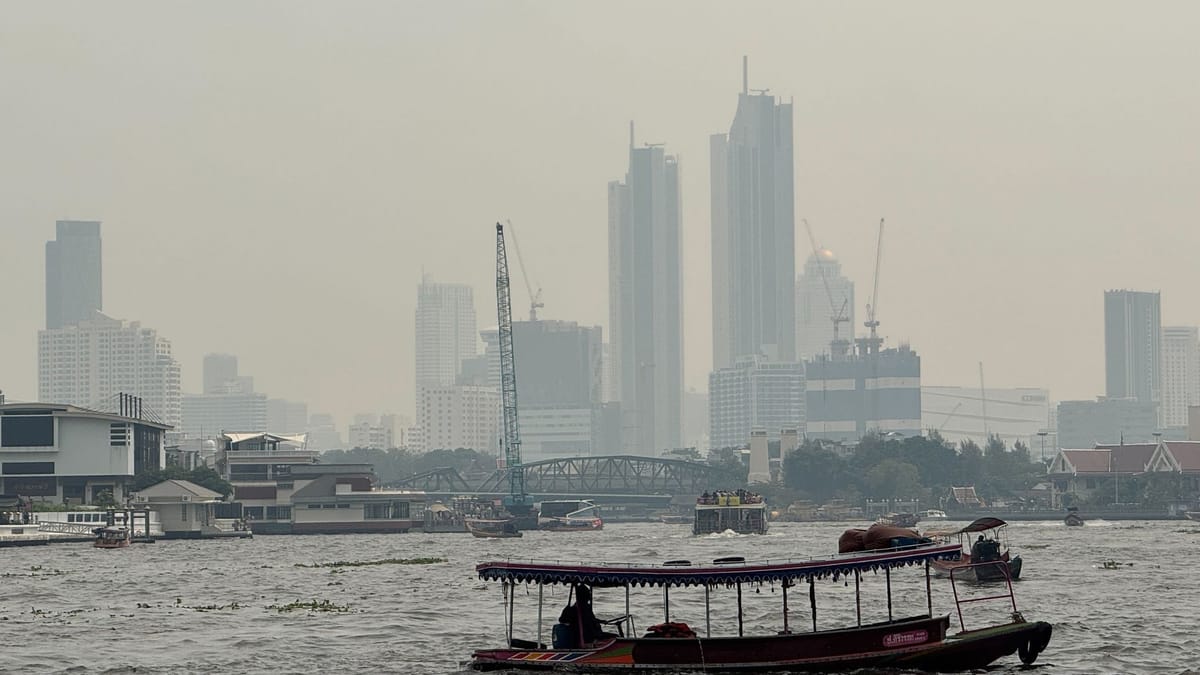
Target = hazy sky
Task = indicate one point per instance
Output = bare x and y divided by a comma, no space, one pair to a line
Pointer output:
273,176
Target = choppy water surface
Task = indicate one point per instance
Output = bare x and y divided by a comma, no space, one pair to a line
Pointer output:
204,607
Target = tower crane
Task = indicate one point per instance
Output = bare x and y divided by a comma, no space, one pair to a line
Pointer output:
535,299
874,342
837,314
517,502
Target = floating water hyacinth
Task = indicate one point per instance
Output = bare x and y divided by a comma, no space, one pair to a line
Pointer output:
312,606
368,563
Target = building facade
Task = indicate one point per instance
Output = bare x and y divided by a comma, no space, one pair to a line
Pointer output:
56,452
817,303
966,413
460,416
864,393
756,394
87,364
287,417
1133,346
753,232
209,415
1180,373
1083,424
73,273
646,299
445,332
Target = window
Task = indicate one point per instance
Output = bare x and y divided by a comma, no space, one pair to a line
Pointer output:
279,512
343,506
183,508
376,511
253,512
27,468
27,432
314,506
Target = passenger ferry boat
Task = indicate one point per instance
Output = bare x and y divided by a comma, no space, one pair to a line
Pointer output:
923,641
113,537
741,511
493,528
569,515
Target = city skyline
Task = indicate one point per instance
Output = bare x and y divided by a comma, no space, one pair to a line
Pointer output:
1004,224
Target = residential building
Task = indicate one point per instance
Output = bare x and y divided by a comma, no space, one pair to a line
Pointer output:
645,301
821,294
221,375
1082,424
460,416
87,364
862,393
368,431
1133,346
756,394
970,414
1180,373
323,433
753,232
73,273
56,452
445,331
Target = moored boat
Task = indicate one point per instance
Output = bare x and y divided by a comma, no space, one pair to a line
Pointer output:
991,547
899,519
1192,515
933,514
112,537
741,511
492,529
582,643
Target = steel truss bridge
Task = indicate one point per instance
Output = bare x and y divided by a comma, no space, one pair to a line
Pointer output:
627,475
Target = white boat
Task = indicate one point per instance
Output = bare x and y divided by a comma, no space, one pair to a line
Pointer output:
569,515
933,514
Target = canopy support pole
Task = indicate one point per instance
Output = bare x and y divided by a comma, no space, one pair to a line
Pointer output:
628,616
541,588
812,601
887,572
666,603
857,599
512,597
739,587
707,614
785,608
928,589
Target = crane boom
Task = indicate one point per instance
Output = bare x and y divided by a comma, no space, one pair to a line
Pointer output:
535,299
517,502
872,323
837,315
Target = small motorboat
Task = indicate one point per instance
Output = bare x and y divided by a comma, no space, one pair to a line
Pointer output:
905,520
933,514
988,558
569,515
112,537
674,519
1073,519
493,529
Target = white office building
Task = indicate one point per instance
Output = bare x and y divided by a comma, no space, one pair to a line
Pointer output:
445,332
89,363
756,394
1180,373
460,416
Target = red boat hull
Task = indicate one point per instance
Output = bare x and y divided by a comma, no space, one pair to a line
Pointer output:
920,642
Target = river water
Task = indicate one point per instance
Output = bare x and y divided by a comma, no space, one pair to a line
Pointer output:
212,606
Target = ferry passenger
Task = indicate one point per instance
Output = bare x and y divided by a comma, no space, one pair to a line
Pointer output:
583,626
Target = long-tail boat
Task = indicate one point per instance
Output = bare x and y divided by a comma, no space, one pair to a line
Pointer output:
923,641
991,546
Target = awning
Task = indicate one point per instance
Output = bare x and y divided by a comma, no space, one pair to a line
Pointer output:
683,573
981,525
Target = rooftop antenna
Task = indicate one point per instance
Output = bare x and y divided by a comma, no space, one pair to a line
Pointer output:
745,74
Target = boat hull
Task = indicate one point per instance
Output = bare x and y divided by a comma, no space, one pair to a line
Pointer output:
912,643
991,572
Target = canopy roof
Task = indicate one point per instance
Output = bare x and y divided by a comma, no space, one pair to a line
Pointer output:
981,525
683,573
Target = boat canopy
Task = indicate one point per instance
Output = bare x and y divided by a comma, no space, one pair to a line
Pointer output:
981,525
719,573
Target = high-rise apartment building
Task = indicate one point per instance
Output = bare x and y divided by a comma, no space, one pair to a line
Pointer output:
73,288
756,394
1180,373
221,373
822,293
460,416
445,331
1133,346
645,299
753,232
88,363
286,417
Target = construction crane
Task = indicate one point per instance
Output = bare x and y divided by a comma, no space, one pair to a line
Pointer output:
535,299
874,342
837,314
517,502
987,433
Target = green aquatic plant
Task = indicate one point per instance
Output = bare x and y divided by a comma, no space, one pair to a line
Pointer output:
369,563
312,606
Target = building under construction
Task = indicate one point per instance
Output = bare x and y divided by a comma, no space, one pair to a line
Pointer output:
854,394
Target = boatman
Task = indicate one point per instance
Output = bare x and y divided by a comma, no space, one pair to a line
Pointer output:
580,618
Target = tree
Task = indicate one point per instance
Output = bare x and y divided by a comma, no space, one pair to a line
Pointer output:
815,470
891,479
729,461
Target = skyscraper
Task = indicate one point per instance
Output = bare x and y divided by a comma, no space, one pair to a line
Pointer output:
220,373
73,291
1180,373
814,325
753,232
645,299
756,394
1133,346
445,332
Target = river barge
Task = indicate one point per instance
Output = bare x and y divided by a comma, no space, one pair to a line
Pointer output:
737,511
923,641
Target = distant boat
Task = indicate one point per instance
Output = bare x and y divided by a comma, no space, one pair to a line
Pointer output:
112,537
1073,519
493,529
934,514
569,515
677,519
988,557
906,520
743,512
